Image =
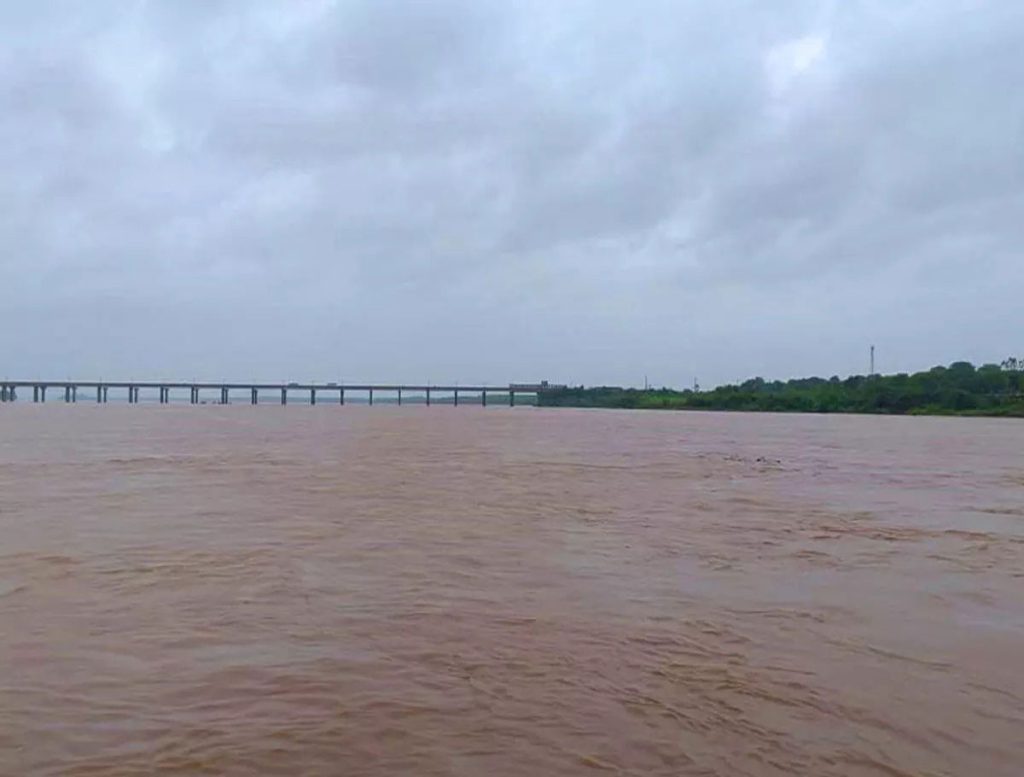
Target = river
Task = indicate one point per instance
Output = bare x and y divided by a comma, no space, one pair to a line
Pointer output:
467,591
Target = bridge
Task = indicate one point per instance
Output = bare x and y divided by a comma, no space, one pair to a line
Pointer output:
68,390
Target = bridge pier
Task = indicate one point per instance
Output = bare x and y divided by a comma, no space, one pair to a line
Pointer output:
255,396
371,397
428,397
399,397
341,396
511,398
105,390
456,397
223,395
284,396
67,394
312,396
42,393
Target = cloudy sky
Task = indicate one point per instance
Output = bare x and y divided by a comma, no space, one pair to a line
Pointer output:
584,191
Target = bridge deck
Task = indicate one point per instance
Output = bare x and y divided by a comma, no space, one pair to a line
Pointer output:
232,386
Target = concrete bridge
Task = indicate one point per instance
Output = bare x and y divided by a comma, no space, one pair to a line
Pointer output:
12,390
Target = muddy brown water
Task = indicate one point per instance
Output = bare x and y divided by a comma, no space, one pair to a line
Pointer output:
442,591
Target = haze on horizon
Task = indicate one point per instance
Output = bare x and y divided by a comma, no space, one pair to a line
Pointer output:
476,191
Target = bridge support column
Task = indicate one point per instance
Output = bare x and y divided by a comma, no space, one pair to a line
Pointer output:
483,397
456,397
341,396
428,397
371,396
255,396
105,390
74,393
511,398
284,396
99,394
3,393
67,394
42,393
223,395
399,397
312,396
193,395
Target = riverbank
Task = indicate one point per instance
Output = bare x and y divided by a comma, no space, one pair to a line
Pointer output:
959,389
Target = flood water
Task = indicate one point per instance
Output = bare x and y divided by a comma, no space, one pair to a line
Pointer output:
468,591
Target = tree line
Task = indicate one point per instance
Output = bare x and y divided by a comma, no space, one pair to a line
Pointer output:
957,389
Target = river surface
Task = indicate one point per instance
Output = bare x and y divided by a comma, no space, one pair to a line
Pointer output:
467,591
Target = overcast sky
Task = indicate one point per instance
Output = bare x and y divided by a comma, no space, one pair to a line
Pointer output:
494,191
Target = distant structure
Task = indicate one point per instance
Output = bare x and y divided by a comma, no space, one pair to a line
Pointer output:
872,372
9,390
533,388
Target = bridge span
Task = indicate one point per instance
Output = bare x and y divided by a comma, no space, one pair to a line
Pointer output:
68,390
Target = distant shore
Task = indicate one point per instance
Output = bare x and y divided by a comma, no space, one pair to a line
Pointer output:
961,389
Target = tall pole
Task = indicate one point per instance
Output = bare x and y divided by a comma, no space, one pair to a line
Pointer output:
872,360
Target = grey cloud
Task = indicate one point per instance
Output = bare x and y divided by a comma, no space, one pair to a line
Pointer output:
491,191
